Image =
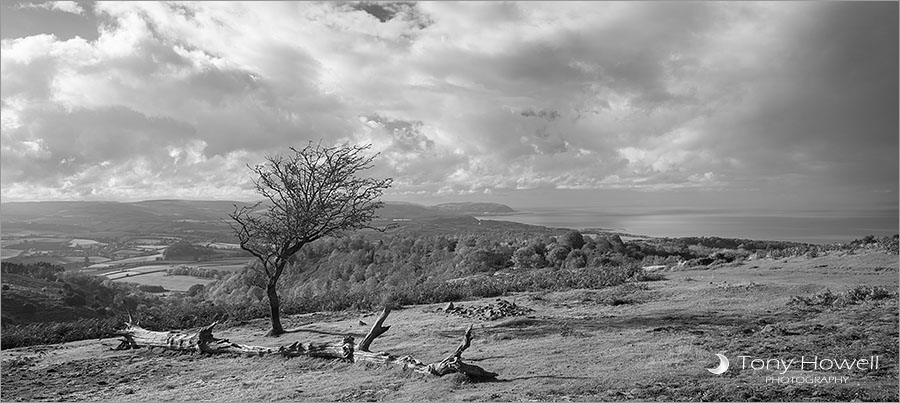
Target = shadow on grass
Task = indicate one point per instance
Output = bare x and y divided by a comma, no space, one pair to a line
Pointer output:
522,378
341,334
485,358
695,322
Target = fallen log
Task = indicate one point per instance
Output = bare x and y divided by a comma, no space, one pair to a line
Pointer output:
203,341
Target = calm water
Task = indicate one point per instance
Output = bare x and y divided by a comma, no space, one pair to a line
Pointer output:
813,227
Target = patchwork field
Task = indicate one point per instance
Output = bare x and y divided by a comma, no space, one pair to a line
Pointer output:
138,259
638,341
7,252
155,274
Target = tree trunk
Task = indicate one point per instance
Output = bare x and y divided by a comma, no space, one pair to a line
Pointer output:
272,293
203,341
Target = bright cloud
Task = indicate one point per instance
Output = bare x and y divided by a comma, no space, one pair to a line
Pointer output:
174,99
64,6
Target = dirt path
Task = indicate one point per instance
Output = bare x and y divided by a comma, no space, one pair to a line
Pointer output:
634,342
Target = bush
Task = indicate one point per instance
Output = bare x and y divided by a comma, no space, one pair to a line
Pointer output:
201,272
528,257
57,332
576,259
573,239
196,290
558,254
851,296
179,312
152,288
40,270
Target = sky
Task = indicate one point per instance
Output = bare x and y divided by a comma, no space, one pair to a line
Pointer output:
743,105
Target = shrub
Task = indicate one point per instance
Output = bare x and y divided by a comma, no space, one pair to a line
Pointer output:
57,332
482,260
151,288
576,259
558,254
527,257
196,290
573,239
851,296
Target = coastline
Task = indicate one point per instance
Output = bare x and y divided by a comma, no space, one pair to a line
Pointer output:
815,227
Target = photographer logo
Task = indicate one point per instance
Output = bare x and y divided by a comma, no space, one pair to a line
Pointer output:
776,369
723,365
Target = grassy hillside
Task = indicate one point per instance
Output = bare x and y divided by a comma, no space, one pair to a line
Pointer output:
634,342
32,300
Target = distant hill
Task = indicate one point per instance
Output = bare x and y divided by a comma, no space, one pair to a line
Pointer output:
77,211
476,208
199,219
395,210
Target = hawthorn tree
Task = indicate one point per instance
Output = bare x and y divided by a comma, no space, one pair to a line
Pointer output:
312,193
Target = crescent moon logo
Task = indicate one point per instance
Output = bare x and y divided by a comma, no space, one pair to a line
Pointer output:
723,365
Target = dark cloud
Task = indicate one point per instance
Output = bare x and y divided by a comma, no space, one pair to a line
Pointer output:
383,11
827,105
543,114
17,21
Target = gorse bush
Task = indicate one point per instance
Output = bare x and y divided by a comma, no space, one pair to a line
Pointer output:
866,293
480,286
183,312
58,332
166,314
851,296
364,265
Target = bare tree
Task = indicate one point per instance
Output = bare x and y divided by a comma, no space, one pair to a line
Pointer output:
313,193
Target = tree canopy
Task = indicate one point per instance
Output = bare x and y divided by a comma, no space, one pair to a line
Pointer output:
311,193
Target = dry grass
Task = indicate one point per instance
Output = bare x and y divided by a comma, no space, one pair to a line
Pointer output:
654,344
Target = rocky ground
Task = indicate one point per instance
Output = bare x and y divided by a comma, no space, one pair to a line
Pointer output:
499,309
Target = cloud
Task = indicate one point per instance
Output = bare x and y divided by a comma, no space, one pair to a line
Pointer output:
462,98
64,6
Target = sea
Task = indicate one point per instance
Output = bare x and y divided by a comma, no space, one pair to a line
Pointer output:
818,227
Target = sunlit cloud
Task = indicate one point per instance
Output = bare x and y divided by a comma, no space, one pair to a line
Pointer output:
64,6
473,98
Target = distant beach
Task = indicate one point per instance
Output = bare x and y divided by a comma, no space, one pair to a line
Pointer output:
819,227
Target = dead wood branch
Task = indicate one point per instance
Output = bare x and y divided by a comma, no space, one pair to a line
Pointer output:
376,330
203,341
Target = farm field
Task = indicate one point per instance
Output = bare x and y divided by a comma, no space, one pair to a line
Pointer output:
41,244
33,240
84,242
136,271
155,274
139,259
229,264
7,252
637,341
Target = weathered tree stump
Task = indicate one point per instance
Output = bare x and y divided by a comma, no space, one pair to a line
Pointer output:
203,341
